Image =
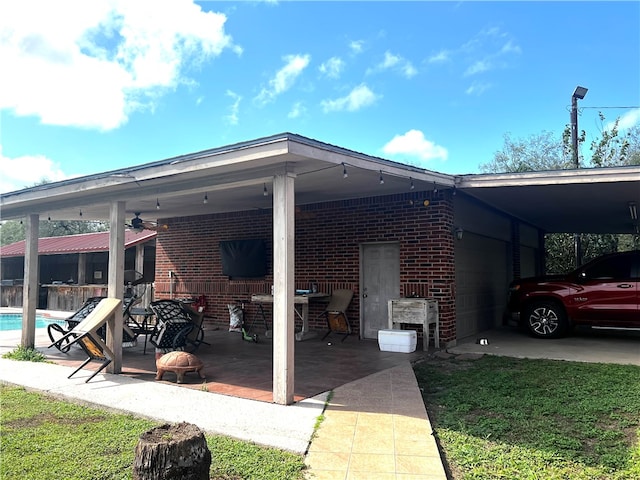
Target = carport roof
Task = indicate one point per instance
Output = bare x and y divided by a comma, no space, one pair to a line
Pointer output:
592,200
234,177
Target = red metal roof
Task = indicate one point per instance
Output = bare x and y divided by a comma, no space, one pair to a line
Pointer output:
83,243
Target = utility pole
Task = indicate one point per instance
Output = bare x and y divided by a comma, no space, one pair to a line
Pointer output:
578,93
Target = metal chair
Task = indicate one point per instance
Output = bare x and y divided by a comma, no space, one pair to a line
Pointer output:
178,327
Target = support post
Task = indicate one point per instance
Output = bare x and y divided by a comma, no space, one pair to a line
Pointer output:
116,283
283,288
30,288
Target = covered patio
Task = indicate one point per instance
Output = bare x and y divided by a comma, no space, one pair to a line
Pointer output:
243,369
332,216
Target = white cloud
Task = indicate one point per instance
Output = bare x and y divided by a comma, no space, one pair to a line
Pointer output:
477,88
413,145
92,64
356,46
394,62
441,56
361,96
333,67
297,110
27,170
284,78
627,121
232,118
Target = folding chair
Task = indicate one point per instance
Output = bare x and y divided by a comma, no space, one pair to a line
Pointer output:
86,335
336,313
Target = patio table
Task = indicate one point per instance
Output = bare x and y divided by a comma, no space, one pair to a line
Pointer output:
301,307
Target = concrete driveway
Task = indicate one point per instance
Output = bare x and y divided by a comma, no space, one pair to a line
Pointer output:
582,345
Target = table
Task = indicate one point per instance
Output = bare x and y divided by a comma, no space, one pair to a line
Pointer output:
146,327
420,311
301,307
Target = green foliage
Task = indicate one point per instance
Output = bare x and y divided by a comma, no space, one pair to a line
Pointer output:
593,246
538,152
501,417
26,354
42,438
13,231
611,149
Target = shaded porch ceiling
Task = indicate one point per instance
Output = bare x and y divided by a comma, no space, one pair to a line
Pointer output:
569,201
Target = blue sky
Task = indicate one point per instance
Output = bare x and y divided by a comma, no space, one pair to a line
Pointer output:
94,86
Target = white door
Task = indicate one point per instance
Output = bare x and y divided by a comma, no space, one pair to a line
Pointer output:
380,281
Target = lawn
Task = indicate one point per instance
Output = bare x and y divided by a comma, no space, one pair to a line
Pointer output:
42,438
506,418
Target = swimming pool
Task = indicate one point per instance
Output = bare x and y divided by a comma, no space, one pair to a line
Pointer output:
13,321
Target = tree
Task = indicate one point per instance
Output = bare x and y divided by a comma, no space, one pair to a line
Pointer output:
545,152
12,231
538,152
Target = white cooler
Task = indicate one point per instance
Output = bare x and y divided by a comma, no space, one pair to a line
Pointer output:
397,340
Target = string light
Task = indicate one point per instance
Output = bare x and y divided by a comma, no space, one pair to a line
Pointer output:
157,204
265,192
381,179
344,171
206,199
81,212
435,187
412,185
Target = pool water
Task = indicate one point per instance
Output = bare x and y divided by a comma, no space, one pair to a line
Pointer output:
13,321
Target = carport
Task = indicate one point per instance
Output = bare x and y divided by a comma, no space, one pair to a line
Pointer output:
285,173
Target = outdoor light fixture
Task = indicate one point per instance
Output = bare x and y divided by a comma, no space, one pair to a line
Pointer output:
412,186
381,179
265,192
580,92
633,211
458,232
157,204
206,199
344,171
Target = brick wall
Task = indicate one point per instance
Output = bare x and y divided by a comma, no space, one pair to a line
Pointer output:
327,242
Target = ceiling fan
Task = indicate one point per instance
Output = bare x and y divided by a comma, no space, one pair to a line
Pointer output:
137,224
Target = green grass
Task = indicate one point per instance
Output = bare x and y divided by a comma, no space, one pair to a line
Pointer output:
505,418
43,438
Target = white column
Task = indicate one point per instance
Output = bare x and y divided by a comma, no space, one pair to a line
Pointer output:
116,283
283,288
30,284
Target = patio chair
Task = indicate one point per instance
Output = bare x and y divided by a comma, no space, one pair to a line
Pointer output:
85,334
336,313
57,332
178,327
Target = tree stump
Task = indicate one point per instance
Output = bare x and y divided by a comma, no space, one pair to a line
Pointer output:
172,452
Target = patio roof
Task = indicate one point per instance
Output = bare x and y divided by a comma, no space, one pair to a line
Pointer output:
82,243
234,178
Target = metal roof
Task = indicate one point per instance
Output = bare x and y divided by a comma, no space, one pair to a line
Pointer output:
83,243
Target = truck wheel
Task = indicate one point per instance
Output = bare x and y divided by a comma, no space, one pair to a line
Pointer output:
546,319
